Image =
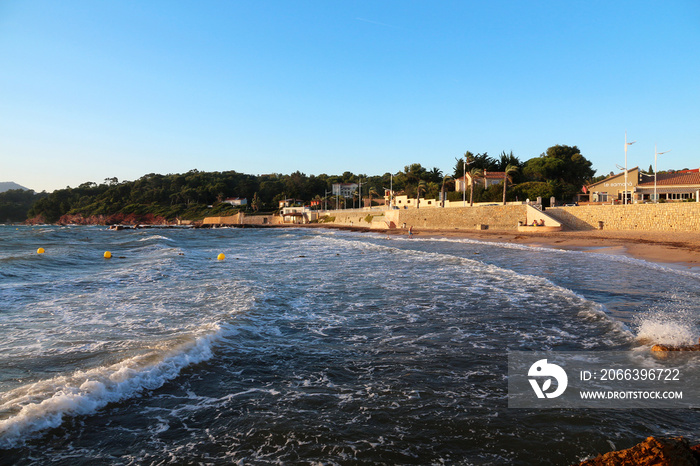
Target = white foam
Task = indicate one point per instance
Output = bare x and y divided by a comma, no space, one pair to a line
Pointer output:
156,237
666,328
597,255
44,404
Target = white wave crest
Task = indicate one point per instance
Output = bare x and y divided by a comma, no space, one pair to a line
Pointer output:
155,237
44,404
666,328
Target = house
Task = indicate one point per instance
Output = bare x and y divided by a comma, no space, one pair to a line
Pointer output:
290,202
641,187
489,178
344,189
298,214
237,201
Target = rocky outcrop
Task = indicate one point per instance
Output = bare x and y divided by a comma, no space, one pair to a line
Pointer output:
652,451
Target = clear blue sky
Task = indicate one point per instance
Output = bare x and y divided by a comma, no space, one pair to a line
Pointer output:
97,89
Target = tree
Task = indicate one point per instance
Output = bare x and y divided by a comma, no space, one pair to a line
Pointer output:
507,173
459,164
372,192
435,175
256,202
473,173
564,164
445,179
420,188
507,159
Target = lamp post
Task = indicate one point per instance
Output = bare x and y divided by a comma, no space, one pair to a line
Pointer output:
391,191
464,182
626,144
359,193
656,155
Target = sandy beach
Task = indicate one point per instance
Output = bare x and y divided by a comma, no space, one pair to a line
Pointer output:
681,249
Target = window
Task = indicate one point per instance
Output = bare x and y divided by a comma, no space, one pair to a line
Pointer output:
678,196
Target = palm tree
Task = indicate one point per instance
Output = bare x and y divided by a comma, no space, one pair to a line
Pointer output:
473,173
421,187
510,170
442,191
372,192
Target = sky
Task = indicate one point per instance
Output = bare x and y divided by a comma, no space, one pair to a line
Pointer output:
91,90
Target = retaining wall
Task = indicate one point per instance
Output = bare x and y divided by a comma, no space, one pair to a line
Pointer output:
460,218
682,216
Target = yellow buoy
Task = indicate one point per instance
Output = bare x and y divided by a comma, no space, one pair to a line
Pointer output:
221,256
40,251
108,255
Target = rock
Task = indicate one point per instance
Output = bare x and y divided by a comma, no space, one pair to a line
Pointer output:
652,451
660,347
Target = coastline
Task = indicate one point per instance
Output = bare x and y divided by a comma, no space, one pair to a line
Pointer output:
679,249
676,249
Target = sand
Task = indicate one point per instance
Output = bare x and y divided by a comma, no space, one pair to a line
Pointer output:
679,249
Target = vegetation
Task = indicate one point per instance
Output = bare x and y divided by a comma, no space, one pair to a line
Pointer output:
560,172
15,203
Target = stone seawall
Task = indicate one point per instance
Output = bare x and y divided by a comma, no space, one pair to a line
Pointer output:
682,216
461,218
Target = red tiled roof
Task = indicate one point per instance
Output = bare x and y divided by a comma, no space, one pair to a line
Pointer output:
499,175
673,179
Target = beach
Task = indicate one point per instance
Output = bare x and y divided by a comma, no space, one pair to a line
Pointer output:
681,249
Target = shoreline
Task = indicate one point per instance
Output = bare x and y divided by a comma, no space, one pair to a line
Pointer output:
683,250
679,250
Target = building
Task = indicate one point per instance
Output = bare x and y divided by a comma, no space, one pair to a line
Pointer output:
678,186
344,189
487,179
237,201
290,202
639,187
298,214
613,188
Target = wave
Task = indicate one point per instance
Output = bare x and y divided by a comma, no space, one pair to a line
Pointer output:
533,294
673,328
43,405
610,257
156,237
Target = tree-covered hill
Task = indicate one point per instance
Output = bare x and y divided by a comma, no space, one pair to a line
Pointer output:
559,172
191,195
15,203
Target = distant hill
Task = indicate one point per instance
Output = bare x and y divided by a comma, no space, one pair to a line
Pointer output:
8,185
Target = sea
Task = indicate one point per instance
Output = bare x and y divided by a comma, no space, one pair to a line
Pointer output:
313,346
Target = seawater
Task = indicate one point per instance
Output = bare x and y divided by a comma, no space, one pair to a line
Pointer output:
313,346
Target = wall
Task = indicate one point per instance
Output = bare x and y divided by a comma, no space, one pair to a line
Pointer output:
682,216
465,218
241,218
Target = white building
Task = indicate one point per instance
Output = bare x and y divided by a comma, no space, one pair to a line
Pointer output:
237,201
344,189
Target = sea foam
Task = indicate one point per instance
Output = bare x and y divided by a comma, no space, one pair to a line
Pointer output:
43,405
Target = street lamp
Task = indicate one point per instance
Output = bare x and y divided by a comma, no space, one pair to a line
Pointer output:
656,155
464,182
391,191
626,144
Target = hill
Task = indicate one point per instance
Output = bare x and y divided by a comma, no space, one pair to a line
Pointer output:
8,185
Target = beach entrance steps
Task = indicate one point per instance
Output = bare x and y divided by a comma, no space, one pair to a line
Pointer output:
539,222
